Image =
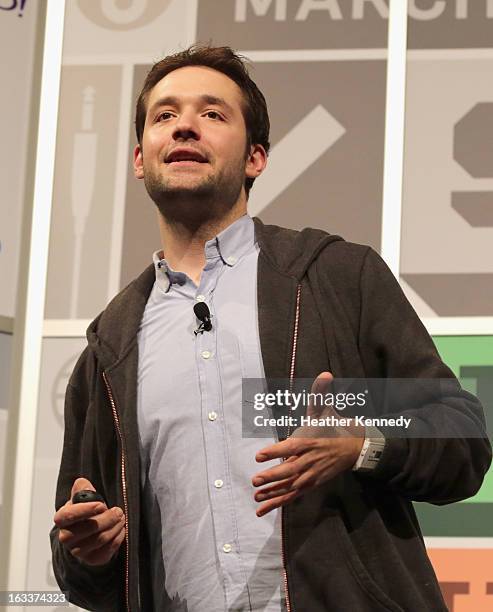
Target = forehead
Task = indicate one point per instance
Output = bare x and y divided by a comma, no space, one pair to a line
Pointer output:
194,82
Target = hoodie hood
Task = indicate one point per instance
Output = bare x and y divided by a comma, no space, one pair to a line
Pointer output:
291,251
114,331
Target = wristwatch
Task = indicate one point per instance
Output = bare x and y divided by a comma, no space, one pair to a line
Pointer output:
371,451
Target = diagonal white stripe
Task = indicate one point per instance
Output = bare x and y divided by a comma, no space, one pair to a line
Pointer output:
293,154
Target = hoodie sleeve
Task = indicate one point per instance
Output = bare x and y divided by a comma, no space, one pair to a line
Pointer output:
90,587
449,453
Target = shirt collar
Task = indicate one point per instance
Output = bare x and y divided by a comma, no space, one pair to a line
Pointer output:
230,246
165,275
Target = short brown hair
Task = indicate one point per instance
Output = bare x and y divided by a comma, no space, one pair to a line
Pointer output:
222,59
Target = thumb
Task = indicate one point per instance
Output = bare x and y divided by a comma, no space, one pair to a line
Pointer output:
81,484
321,385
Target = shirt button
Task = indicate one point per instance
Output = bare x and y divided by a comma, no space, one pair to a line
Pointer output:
227,548
231,260
212,416
206,354
218,483
200,298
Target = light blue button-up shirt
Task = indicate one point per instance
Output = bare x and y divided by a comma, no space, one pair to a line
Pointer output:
210,551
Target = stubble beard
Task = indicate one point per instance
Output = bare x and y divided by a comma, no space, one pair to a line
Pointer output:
204,201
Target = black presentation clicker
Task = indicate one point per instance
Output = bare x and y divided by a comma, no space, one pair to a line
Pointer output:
86,495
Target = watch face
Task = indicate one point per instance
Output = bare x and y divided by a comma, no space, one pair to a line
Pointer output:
373,454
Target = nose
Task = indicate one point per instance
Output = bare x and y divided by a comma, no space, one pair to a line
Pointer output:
186,127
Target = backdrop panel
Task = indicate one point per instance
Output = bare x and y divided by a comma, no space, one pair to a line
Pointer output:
447,210
17,33
58,358
5,360
322,66
447,218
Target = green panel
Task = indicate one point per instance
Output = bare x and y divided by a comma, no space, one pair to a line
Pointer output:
455,520
471,360
459,351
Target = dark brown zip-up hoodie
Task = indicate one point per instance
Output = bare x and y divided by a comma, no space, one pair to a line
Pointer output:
351,544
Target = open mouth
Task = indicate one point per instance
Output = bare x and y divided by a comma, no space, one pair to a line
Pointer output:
185,157
185,162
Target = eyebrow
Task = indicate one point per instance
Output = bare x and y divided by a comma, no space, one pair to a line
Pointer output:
204,98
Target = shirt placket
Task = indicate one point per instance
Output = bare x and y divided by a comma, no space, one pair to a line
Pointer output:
215,441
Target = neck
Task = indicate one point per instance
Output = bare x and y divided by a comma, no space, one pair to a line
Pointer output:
183,244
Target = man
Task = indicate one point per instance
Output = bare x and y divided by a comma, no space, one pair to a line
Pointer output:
191,521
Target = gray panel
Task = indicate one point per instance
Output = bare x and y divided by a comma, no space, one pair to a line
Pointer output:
341,191
79,255
446,215
17,35
288,24
455,295
473,141
450,24
342,24
122,16
125,28
476,207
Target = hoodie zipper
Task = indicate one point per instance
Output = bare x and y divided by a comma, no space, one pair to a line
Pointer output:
124,485
291,384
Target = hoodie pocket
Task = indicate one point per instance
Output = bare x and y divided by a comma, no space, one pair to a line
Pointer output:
359,571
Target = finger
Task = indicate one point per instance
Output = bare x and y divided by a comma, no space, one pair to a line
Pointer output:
321,385
276,474
69,514
81,484
79,531
279,488
277,502
97,540
310,479
286,469
285,449
286,492
322,381
105,553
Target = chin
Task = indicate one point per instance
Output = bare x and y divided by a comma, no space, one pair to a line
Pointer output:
191,183
189,190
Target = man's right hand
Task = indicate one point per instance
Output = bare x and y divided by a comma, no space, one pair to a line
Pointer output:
89,530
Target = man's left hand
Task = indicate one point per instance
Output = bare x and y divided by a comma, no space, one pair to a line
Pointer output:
310,459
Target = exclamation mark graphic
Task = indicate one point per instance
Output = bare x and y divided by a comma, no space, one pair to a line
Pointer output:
22,4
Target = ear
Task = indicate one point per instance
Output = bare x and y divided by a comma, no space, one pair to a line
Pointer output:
256,161
138,163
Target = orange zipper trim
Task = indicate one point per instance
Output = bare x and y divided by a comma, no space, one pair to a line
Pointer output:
291,384
124,485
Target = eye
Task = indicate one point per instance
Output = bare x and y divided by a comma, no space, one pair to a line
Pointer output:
163,116
213,115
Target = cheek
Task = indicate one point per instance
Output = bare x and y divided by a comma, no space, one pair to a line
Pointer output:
154,142
233,149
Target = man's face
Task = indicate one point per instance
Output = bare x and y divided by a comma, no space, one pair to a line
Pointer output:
194,141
